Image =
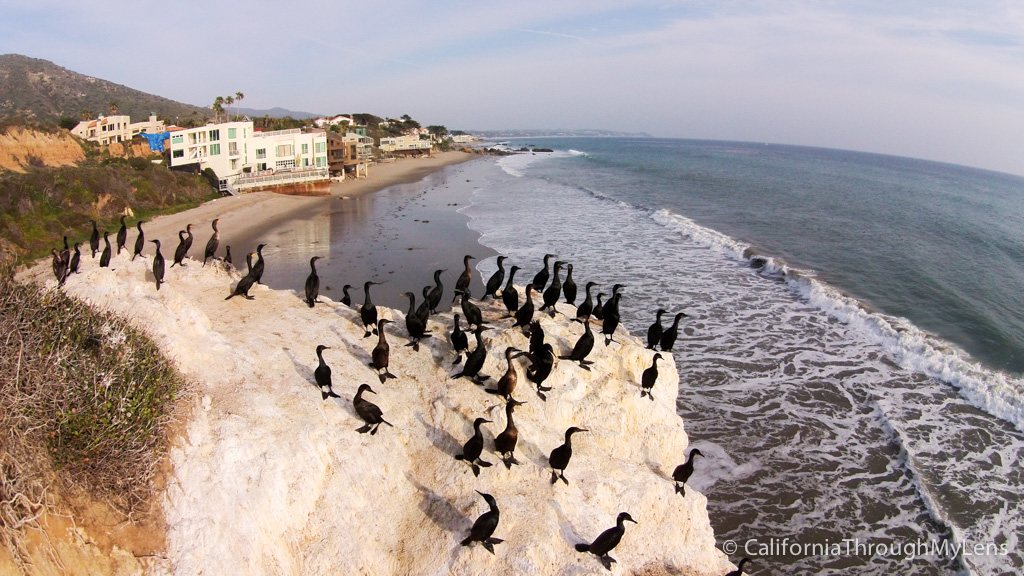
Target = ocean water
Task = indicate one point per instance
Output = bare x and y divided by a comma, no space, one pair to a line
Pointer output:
851,362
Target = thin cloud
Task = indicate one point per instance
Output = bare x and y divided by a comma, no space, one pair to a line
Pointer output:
556,34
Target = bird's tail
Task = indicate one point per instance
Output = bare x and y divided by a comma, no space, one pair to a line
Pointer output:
583,547
310,303
467,541
388,423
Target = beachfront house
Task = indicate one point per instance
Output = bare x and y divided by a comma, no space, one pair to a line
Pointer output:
245,159
116,128
406,145
351,153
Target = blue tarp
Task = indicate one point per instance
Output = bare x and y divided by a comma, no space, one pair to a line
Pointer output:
156,141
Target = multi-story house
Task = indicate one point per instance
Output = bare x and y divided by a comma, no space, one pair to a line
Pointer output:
406,144
118,128
351,153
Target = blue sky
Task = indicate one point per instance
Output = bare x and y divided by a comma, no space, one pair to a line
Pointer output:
927,79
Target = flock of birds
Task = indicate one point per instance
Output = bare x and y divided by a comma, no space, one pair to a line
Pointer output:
540,354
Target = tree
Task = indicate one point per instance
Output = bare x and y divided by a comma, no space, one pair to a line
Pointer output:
218,106
239,97
437,131
113,108
67,122
86,114
229,100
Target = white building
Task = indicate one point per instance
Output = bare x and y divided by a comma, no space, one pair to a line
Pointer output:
109,129
405,143
242,157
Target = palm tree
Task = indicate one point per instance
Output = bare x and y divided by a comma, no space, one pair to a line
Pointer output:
239,97
86,114
113,108
218,106
229,100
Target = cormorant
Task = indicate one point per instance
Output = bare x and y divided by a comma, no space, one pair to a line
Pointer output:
524,316
346,299
739,568
582,347
540,368
312,281
598,311
211,244
611,319
682,472
60,267
381,353
76,259
458,339
179,252
507,382
668,339
188,238
122,236
475,360
415,325
536,337
227,255
608,540
569,286
243,286
509,294
472,312
140,240
560,456
484,526
435,294
649,377
587,308
655,331
423,310
368,411
94,239
105,256
259,266
541,278
505,443
494,282
474,447
322,374
554,290
158,265
368,312
462,283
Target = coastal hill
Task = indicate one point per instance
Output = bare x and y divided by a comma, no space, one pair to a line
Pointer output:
40,90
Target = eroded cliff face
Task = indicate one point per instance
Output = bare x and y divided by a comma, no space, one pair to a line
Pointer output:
21,147
271,479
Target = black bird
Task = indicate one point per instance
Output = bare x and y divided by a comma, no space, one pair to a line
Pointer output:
212,243
462,284
608,540
494,282
540,368
140,240
94,239
739,569
243,286
60,267
122,235
505,443
322,374
649,377
423,310
188,238
611,319
368,312
598,311
682,472
668,339
474,447
484,526
259,266
582,348
76,259
524,316
434,297
655,331
554,290
585,310
368,411
158,265
227,255
381,354
536,337
475,360
346,299
312,282
509,294
414,323
569,286
560,456
458,339
179,252
65,254
472,312
541,278
105,256
507,382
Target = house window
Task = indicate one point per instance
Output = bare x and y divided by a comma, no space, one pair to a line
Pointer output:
282,164
214,135
261,153
284,150
178,154
233,148
177,139
214,149
234,164
320,146
261,166
320,161
305,148
232,132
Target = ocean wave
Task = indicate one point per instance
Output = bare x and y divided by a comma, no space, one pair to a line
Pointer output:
912,348
578,153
